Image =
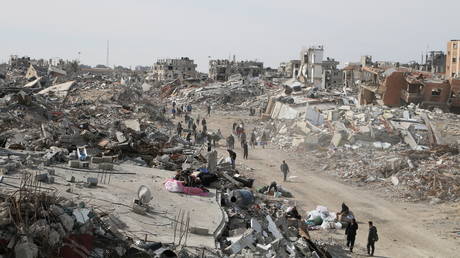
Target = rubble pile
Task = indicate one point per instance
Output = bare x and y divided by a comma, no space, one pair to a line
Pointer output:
224,95
34,224
100,112
258,226
410,150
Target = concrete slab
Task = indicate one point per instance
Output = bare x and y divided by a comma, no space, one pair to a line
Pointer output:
117,198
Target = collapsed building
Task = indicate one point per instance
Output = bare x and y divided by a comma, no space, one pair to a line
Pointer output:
222,69
289,69
396,87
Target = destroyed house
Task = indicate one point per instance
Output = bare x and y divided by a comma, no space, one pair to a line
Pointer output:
171,69
396,87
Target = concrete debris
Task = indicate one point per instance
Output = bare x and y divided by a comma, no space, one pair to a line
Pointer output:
394,147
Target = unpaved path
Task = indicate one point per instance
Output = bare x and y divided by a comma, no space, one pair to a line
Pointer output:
401,226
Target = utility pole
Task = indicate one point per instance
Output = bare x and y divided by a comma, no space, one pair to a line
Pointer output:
107,57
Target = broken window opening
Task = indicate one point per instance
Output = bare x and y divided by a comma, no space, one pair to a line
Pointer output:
436,92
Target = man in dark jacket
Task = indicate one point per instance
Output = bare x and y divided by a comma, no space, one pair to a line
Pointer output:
371,239
351,234
245,150
232,155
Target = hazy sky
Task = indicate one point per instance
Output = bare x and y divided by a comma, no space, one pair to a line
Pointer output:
272,31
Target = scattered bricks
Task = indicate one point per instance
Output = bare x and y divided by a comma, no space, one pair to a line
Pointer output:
74,163
96,160
92,181
106,166
200,231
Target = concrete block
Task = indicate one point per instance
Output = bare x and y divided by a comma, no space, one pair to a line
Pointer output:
74,163
273,228
26,249
337,139
50,171
199,231
92,181
42,177
3,171
67,222
96,160
106,166
107,159
256,225
246,240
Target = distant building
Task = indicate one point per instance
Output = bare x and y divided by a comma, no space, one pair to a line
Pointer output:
222,69
171,69
452,62
435,62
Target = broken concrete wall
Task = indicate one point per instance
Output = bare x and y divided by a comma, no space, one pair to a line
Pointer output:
436,93
393,85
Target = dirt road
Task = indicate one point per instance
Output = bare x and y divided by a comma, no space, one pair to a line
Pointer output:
402,227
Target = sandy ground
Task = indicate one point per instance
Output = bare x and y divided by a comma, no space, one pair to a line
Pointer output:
405,229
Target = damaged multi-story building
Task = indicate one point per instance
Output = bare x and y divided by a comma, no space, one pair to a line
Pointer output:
311,71
222,69
316,72
170,69
332,76
452,59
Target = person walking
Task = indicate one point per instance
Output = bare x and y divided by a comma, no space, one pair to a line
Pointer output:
209,110
243,138
350,231
253,139
263,140
179,128
285,170
231,142
203,122
245,150
371,239
173,112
